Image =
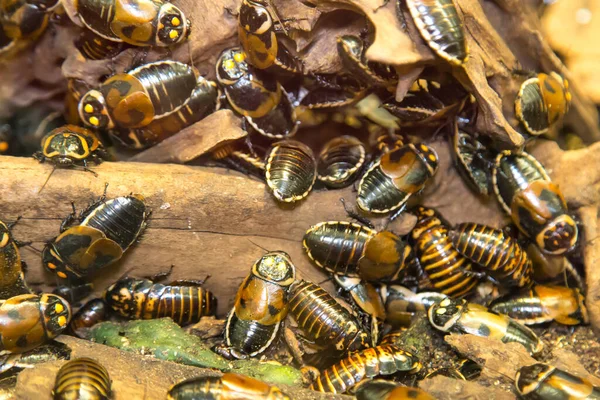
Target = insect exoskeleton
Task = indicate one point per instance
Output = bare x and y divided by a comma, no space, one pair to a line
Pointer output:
391,180
535,204
258,97
228,386
471,160
290,170
349,249
542,304
386,390
327,322
364,295
441,27
12,281
185,302
91,313
542,101
21,19
140,23
108,229
401,304
29,320
203,101
71,145
352,51
260,306
369,363
51,351
138,97
500,255
257,34
340,161
459,316
543,381
82,378
443,268
95,47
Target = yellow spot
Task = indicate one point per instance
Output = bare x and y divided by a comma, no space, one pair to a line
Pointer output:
175,21
59,308
173,34
239,57
62,320
94,121
441,311
567,234
229,64
445,303
51,266
88,108
3,146
61,274
432,157
424,148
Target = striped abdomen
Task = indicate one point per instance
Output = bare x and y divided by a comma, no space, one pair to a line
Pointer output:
183,304
491,248
324,320
169,84
442,264
290,170
121,219
440,26
98,16
91,313
95,47
377,192
337,246
369,363
82,378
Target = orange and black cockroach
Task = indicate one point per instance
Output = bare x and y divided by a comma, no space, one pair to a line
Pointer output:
340,161
500,255
386,390
368,363
260,307
401,304
138,23
440,26
333,92
542,101
324,320
290,170
136,98
71,145
95,47
350,249
29,320
25,19
257,32
51,351
459,316
82,378
542,304
439,265
366,299
535,204
228,386
12,281
91,313
107,229
203,101
543,381
185,302
391,180
256,96
352,51
552,268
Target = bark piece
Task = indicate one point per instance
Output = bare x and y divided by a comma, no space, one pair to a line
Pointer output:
443,388
132,375
190,143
